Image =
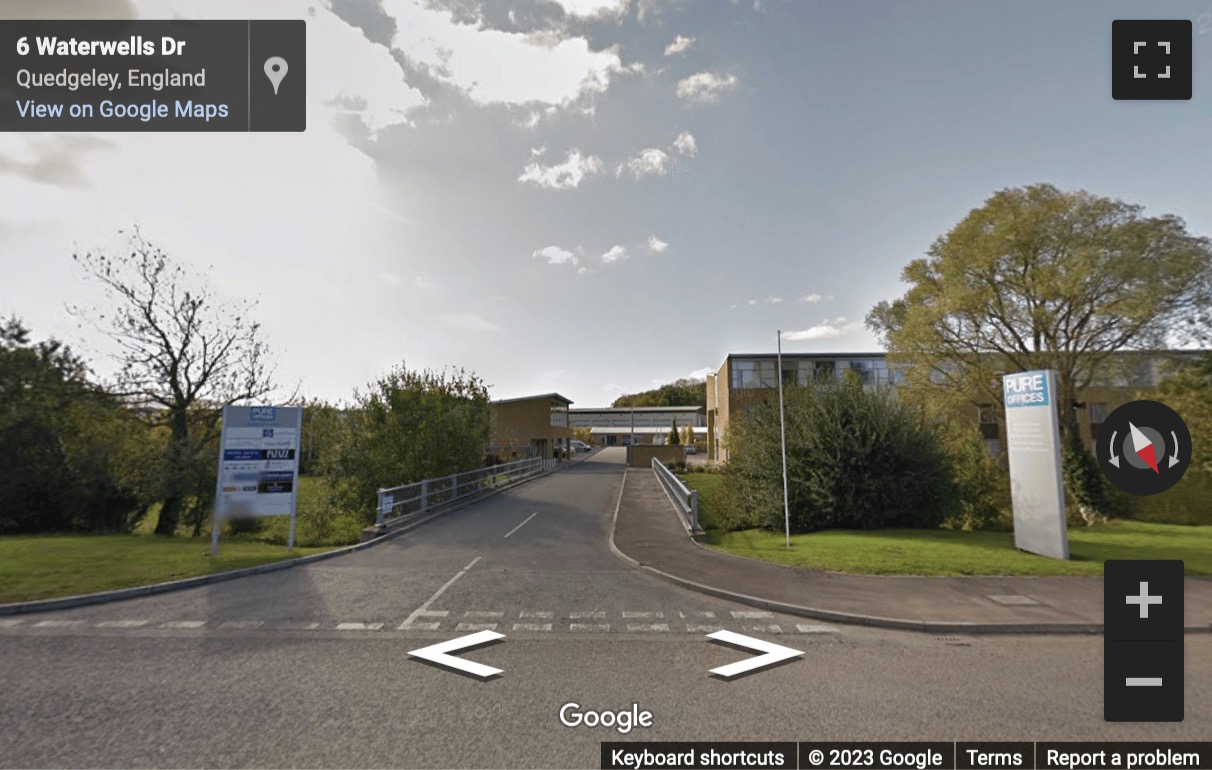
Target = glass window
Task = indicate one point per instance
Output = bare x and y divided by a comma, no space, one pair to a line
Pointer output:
767,373
863,369
824,370
559,416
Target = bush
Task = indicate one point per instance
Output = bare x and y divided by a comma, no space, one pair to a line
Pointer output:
856,458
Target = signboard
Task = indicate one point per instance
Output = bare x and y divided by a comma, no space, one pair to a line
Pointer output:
258,465
1033,443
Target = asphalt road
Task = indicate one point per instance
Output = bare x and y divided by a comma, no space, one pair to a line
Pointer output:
308,667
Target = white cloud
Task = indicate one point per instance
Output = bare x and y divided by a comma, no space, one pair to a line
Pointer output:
700,374
656,245
823,331
556,256
496,67
586,271
468,322
647,162
686,145
591,8
706,87
424,283
679,45
536,152
564,176
751,302
812,299
616,254
390,278
774,300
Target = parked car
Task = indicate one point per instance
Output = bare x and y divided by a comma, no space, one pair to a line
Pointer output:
580,446
691,449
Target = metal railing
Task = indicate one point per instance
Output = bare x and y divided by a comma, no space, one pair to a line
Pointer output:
683,497
397,504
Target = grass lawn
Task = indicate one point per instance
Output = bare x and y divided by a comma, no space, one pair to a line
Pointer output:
945,552
49,566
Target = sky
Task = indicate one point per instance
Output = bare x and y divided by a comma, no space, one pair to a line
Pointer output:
595,197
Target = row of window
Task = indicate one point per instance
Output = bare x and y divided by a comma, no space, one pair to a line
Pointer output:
762,372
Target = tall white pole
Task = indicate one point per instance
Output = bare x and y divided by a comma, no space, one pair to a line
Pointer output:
783,435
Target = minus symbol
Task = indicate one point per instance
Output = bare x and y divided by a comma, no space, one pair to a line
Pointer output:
1143,681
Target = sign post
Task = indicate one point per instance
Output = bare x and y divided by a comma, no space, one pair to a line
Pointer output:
1037,489
258,465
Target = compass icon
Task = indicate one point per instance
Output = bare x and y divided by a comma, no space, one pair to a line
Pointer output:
1144,447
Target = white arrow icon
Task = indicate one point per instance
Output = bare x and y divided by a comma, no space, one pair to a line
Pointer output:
1114,457
437,653
1174,457
774,653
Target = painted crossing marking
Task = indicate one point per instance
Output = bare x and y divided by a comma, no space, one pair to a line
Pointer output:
58,623
10,622
539,615
477,627
685,615
751,614
638,615
359,626
242,624
596,615
183,624
532,626
419,627
647,627
770,629
809,628
425,607
594,627
483,614
702,629
122,623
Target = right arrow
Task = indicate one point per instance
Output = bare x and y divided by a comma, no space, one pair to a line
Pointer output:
437,653
774,653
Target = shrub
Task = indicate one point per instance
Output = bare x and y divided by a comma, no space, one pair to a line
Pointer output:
856,458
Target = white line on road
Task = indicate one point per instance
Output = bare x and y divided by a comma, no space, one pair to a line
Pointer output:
359,626
122,623
183,624
596,615
477,627
543,615
425,607
808,628
739,614
58,623
532,626
589,627
770,629
483,614
647,627
515,529
643,614
9,622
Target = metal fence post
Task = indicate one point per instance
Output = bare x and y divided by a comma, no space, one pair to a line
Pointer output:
424,494
382,519
694,508
454,486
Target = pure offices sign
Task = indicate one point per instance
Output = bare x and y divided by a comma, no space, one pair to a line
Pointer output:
258,465
1033,442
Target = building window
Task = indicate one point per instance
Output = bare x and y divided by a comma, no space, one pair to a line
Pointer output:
864,371
824,370
559,416
1098,413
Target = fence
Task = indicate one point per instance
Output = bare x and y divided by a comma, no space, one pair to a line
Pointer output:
398,504
686,499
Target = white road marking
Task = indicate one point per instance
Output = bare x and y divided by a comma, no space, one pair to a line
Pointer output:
532,626
702,629
515,529
477,627
425,607
589,627
10,622
750,614
242,624
483,614
685,615
122,623
183,624
585,615
432,613
808,628
58,623
770,629
359,626
643,615
420,626
647,627
539,615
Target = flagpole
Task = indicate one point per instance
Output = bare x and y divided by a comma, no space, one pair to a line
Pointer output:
783,435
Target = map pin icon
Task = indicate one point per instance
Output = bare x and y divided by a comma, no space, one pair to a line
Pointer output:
275,70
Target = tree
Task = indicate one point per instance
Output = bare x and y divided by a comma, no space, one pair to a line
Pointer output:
1038,278
183,356
688,435
674,437
409,426
684,392
1188,391
68,458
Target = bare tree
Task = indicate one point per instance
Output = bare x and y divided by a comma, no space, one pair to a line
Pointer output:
183,354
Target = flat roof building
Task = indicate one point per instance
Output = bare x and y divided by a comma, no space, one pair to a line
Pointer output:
531,426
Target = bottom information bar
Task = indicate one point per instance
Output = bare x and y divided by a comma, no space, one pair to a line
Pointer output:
917,755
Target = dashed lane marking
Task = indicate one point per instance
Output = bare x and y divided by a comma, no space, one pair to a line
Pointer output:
531,626
359,626
809,628
477,627
183,624
122,623
647,627
592,627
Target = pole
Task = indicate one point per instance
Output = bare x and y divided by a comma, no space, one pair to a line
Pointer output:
214,527
783,435
631,442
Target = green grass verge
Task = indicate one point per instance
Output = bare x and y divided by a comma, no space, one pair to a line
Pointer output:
50,566
946,552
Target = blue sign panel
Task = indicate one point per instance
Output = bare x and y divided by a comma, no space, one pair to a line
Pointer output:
1025,389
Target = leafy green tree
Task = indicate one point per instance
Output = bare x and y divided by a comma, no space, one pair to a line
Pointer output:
688,435
184,356
856,459
674,436
684,392
408,426
1038,278
69,455
1188,391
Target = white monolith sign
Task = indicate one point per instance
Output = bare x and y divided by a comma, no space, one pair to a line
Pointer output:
258,465
1037,490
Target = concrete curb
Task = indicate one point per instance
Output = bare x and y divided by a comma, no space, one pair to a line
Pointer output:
899,624
104,597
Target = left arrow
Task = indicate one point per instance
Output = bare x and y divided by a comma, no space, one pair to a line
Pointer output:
774,653
438,653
